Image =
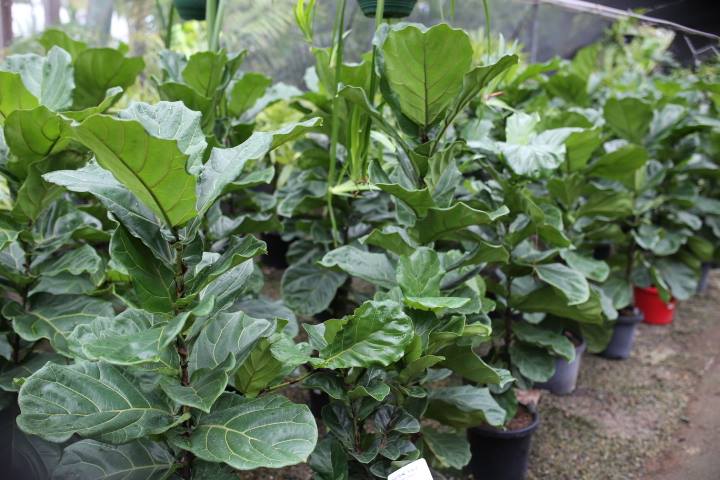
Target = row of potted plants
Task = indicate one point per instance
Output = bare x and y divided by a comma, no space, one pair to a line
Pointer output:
458,226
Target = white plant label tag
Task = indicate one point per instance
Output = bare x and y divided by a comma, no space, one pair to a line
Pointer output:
417,470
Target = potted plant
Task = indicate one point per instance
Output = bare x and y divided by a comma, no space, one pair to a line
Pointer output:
392,8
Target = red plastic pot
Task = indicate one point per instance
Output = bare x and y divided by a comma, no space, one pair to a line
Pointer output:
655,311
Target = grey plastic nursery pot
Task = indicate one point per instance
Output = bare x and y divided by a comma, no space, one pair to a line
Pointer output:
393,8
623,337
565,378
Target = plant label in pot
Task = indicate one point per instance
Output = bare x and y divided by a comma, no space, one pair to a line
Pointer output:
417,470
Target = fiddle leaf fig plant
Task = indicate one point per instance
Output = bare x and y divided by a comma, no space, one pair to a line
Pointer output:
155,376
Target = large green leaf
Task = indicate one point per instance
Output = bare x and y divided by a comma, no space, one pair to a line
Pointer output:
226,164
452,450
49,79
570,282
153,282
375,268
55,317
440,222
593,269
34,134
13,95
425,68
549,300
137,460
375,334
533,362
465,406
246,91
226,288
247,434
56,37
227,334
131,338
308,288
620,163
628,117
463,361
172,121
544,337
154,169
29,365
98,69
138,219
95,400
419,274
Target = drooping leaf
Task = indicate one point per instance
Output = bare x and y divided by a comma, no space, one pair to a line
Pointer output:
465,362
533,362
593,269
95,400
264,432
539,336
549,300
137,460
465,406
452,450
440,222
376,334
55,317
372,267
570,282
308,288
225,165
138,219
153,282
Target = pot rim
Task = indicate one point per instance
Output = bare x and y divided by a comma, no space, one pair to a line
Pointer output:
487,431
654,291
636,317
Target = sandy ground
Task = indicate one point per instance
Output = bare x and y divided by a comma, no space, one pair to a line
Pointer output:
655,416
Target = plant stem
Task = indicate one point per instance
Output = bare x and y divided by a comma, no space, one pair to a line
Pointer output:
335,127
182,350
486,9
287,384
169,26
508,319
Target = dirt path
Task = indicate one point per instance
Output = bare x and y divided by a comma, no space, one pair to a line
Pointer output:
655,416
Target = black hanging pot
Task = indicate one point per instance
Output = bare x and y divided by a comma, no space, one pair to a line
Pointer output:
190,9
393,8
623,336
501,454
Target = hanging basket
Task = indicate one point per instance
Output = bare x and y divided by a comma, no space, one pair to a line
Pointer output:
190,9
393,8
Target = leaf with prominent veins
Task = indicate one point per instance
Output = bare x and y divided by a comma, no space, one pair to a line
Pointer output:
153,168
95,400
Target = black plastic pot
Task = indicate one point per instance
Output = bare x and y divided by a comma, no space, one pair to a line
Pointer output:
501,455
277,250
566,373
190,9
393,8
318,399
704,277
623,336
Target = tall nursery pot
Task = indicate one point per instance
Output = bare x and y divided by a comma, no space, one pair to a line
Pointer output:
704,277
655,311
501,454
393,8
565,378
190,9
623,336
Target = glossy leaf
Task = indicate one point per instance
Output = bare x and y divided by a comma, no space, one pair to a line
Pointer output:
92,400
372,267
49,79
308,288
570,282
265,432
98,69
